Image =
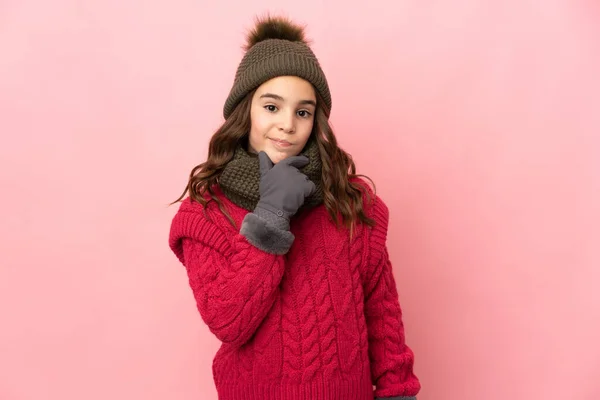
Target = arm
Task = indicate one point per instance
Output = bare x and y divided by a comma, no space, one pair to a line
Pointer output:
391,359
234,283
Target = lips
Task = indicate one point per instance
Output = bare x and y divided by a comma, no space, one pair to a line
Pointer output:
281,142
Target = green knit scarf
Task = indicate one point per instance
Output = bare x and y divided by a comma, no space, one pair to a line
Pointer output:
240,179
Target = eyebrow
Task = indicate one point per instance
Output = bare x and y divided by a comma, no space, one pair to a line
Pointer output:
278,97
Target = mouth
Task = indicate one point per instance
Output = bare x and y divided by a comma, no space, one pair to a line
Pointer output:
280,142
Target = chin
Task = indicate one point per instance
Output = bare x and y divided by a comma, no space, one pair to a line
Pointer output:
277,156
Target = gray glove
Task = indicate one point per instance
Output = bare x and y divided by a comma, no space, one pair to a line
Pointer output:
283,190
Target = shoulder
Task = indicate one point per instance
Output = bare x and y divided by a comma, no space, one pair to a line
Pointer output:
201,223
189,211
210,212
373,205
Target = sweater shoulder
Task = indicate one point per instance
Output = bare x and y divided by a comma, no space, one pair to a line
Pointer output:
204,224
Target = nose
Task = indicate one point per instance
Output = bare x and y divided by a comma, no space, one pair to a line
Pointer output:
287,122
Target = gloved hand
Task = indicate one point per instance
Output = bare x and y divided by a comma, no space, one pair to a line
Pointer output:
283,190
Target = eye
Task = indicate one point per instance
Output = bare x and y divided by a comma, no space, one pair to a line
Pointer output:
304,113
270,108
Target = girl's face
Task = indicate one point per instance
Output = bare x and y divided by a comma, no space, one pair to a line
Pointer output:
282,117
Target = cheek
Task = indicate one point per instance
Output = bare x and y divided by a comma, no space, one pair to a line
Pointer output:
306,132
257,134
258,123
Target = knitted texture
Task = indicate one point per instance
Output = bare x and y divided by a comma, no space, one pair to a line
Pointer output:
272,58
322,322
241,177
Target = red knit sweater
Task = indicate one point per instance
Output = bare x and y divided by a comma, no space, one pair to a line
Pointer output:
322,322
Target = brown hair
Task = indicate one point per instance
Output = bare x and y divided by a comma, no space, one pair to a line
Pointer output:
342,198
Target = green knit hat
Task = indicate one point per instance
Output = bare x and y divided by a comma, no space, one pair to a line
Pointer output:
276,47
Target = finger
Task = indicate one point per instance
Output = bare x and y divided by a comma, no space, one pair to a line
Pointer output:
265,163
309,188
296,161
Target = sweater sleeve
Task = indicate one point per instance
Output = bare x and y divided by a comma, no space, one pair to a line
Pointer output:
233,282
391,359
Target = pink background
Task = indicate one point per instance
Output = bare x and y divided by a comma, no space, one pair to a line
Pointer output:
479,122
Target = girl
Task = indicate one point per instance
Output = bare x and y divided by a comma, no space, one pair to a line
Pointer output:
285,246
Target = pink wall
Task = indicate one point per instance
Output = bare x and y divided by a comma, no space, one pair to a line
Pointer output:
479,123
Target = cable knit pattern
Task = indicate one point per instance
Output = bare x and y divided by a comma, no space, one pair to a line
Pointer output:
268,345
321,322
324,306
221,276
358,257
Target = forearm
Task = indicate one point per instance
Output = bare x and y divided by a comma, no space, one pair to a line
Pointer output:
392,360
233,291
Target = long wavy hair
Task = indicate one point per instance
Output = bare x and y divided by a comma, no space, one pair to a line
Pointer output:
343,199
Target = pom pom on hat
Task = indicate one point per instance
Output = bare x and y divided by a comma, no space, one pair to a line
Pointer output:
275,28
